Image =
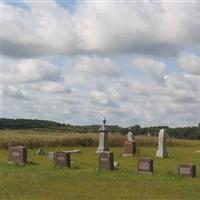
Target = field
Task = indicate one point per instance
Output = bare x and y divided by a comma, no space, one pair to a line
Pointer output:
40,180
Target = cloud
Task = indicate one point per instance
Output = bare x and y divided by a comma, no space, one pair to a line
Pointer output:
96,66
16,93
155,69
190,63
30,70
51,87
99,28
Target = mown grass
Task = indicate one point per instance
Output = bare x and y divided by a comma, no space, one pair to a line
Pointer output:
32,139
40,180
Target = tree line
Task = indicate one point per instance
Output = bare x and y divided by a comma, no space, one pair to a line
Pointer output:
45,125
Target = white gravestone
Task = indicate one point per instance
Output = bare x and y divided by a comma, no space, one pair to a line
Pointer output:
130,136
162,144
103,138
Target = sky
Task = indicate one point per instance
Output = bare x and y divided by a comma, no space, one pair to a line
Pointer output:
133,62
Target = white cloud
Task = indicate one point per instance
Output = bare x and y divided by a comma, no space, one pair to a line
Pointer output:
155,69
52,87
97,66
96,27
30,70
16,93
190,63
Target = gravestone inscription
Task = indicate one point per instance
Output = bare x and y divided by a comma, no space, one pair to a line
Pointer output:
17,154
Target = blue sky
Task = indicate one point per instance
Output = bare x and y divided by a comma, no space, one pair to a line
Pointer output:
102,59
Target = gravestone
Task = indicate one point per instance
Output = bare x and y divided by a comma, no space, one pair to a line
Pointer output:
51,155
162,144
187,170
103,138
62,159
17,154
106,161
145,165
129,145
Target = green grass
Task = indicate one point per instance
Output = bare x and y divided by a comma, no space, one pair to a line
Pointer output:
39,180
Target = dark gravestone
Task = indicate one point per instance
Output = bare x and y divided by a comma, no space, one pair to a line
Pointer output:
129,148
17,154
62,159
187,170
145,165
106,161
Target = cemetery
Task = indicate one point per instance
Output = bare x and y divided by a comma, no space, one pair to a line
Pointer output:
132,170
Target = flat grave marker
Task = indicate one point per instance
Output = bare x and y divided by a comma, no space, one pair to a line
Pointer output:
187,170
145,165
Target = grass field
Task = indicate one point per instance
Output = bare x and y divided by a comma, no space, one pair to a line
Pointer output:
40,180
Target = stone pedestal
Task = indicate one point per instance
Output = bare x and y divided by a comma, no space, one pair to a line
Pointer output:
17,154
162,144
129,148
106,161
62,159
103,138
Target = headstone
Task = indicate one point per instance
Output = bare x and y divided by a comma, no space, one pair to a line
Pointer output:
187,170
106,161
129,145
145,165
129,148
51,155
40,151
62,159
162,144
103,138
17,154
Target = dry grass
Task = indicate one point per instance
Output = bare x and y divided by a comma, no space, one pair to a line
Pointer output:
33,139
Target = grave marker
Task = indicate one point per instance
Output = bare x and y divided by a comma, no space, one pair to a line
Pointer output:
187,170
129,145
17,154
106,161
62,159
145,165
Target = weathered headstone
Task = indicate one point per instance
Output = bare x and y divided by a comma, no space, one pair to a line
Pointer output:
145,165
162,144
17,154
103,138
187,170
62,159
106,161
129,145
51,155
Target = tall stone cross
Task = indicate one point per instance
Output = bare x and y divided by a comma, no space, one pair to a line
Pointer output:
103,138
162,144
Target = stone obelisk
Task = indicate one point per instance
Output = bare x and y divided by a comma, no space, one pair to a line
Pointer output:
162,144
103,138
